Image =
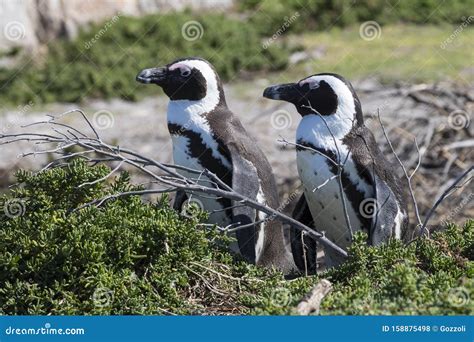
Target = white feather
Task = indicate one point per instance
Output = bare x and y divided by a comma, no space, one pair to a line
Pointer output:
182,157
260,229
313,130
189,114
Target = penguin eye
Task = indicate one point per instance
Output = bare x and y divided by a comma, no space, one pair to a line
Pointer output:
312,84
185,72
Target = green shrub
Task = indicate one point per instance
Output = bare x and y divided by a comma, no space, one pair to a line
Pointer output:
268,15
107,67
132,257
430,277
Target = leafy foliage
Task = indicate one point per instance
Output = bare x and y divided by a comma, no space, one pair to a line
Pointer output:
269,15
132,257
430,277
104,60
103,63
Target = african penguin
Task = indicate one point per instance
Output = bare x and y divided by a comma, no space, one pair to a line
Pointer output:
331,139
207,135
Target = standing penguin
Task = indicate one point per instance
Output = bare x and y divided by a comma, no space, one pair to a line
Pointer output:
207,135
332,137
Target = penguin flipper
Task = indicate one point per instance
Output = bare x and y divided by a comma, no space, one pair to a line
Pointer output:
303,247
245,182
180,198
390,200
386,209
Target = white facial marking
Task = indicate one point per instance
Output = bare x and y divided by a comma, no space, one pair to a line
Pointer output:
184,70
311,81
342,121
189,114
204,105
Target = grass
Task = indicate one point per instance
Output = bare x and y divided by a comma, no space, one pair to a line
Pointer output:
406,53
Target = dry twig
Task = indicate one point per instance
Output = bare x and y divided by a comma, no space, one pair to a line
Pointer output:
312,301
65,136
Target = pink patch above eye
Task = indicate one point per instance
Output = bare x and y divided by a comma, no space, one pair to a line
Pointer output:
180,66
303,82
312,83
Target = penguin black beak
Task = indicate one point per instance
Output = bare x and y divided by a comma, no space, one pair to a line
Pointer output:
285,92
152,75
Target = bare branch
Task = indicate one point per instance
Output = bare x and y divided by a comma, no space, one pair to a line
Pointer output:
410,188
446,194
68,136
103,178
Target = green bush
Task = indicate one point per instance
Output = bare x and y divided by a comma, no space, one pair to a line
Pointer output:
106,68
268,15
132,257
126,257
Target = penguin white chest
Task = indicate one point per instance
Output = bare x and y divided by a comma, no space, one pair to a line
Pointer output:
322,185
182,156
323,195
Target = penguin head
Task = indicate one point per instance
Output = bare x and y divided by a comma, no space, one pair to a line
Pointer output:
324,94
190,79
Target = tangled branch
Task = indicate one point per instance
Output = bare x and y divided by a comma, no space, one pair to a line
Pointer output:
94,150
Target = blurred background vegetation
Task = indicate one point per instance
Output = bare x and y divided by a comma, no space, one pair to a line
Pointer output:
412,32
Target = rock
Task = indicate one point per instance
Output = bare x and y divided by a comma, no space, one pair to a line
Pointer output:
301,56
298,57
